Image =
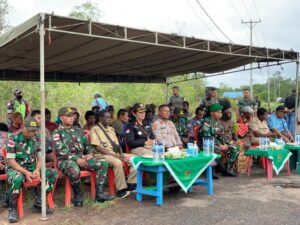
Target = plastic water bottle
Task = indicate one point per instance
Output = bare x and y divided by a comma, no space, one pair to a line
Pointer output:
155,152
211,146
161,152
206,146
196,149
297,139
189,151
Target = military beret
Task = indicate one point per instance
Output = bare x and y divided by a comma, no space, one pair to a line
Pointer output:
215,107
31,124
66,111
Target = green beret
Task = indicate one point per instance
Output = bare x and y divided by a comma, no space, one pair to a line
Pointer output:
215,107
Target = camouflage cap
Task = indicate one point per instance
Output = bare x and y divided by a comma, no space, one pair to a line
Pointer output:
66,111
31,124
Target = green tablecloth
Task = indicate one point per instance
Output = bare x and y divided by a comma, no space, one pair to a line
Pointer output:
292,147
185,171
278,157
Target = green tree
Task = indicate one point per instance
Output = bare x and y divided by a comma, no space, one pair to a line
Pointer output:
4,10
86,11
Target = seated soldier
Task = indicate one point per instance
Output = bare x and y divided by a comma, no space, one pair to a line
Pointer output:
17,123
3,139
181,125
75,153
185,109
139,136
106,143
258,127
199,113
226,121
24,163
212,127
278,125
36,114
120,126
164,130
90,120
49,125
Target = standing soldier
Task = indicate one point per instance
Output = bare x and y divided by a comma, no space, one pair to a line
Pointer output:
212,127
246,101
18,104
176,100
164,130
74,154
24,163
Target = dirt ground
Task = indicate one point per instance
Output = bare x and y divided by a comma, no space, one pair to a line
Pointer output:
244,200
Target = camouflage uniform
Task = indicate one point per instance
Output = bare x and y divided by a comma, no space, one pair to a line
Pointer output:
213,128
71,144
25,152
182,126
247,102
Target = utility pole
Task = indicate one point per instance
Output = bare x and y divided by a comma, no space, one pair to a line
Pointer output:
251,24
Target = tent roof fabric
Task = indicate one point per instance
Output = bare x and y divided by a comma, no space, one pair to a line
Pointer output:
86,51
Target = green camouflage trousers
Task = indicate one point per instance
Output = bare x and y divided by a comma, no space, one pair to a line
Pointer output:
232,154
72,170
16,179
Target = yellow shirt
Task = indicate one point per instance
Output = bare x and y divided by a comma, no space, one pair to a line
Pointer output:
98,138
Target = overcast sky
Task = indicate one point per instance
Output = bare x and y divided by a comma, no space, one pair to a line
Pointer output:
279,28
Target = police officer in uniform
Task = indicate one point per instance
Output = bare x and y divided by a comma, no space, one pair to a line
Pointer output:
18,104
75,153
164,130
212,127
139,135
24,163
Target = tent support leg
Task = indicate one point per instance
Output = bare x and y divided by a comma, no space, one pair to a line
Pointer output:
42,102
297,96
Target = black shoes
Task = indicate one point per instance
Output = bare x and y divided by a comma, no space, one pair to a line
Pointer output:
13,216
229,173
78,201
123,193
131,187
100,196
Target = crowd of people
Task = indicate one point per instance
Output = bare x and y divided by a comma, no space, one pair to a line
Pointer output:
106,140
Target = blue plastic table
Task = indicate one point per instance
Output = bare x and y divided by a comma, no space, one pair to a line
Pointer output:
158,191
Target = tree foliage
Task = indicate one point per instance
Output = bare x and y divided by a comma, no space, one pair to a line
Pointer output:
86,11
4,10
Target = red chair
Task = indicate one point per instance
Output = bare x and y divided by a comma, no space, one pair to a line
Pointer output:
68,187
34,183
196,131
3,177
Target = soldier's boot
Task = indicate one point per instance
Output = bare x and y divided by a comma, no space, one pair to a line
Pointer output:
13,215
100,196
37,199
5,199
38,203
229,172
78,201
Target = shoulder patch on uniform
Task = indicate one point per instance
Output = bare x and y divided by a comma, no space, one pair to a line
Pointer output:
11,143
56,137
155,126
206,124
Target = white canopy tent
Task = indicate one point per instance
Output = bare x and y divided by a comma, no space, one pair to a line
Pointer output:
85,51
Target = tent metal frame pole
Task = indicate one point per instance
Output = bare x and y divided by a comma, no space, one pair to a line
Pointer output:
297,97
250,54
42,102
167,90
